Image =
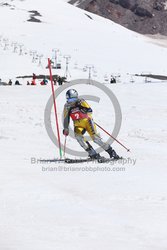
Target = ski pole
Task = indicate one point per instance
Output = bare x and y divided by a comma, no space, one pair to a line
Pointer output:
55,108
128,150
65,142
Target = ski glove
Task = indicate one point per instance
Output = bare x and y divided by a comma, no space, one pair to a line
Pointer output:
66,131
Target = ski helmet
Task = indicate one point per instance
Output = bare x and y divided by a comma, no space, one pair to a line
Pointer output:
71,95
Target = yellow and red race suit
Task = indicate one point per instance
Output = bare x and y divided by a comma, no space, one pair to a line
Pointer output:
81,114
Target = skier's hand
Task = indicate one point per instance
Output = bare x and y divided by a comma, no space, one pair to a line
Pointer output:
66,131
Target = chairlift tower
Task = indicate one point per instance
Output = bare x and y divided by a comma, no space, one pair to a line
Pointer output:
40,60
55,51
20,49
6,43
15,47
1,40
34,55
89,67
67,58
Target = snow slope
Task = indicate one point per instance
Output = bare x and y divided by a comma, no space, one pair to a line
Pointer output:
47,206
97,41
42,208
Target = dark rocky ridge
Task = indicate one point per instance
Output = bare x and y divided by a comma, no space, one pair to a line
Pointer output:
143,16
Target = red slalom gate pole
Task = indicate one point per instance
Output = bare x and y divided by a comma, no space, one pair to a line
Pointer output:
128,150
55,107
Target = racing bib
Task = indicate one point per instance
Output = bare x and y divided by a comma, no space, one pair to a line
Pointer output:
76,114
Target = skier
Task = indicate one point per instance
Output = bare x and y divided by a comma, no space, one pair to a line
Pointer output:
44,81
17,82
34,77
10,82
81,113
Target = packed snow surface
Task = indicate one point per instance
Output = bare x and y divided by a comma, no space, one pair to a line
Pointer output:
48,206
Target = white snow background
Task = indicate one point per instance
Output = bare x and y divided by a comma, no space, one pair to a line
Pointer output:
121,209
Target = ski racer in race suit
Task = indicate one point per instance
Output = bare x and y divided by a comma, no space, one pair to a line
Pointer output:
81,113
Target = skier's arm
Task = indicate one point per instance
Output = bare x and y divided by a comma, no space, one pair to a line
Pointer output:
84,107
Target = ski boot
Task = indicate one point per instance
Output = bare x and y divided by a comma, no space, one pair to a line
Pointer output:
92,153
113,155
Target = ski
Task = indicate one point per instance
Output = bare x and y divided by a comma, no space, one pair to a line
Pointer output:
78,160
100,160
72,161
105,160
68,160
51,160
